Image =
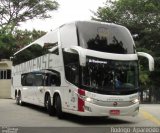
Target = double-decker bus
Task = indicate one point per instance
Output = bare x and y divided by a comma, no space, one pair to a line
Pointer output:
85,68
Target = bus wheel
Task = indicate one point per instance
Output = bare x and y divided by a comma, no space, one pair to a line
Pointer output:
58,107
50,108
19,100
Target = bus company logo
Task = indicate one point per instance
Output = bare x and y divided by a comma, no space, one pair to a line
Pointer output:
115,103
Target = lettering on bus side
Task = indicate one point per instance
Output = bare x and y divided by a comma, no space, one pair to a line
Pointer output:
50,60
43,62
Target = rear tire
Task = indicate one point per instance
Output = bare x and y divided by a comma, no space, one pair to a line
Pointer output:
58,107
50,108
19,100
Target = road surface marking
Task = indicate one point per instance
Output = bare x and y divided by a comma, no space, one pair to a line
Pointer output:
150,117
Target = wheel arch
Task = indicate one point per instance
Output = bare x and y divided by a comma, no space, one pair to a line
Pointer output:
15,93
19,92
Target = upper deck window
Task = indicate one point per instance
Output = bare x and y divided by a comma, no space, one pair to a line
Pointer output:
47,44
105,38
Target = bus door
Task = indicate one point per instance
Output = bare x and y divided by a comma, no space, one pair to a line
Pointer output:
73,78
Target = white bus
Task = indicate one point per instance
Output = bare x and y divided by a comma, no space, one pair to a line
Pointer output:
85,68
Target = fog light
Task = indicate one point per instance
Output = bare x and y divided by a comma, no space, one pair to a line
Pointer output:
87,108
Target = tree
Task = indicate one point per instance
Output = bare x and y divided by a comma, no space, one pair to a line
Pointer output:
25,37
10,43
142,18
12,12
7,42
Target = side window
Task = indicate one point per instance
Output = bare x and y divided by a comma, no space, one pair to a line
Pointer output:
72,73
5,74
71,65
1,74
38,79
23,79
27,79
51,46
29,53
44,45
52,79
30,79
8,74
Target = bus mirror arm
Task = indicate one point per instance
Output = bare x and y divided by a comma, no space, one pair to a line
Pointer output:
150,59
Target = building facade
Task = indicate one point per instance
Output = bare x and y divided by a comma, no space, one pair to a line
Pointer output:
5,78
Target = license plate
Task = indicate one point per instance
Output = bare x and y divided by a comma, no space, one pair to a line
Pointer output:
115,112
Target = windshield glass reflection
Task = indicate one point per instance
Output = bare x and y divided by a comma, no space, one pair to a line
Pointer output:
99,74
105,38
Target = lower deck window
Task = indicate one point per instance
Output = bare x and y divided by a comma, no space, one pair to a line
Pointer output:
41,79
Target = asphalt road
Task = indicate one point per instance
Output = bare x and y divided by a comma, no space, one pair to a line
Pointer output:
12,115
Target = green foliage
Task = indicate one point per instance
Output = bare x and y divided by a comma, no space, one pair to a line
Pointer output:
7,43
25,37
144,78
142,18
10,43
14,11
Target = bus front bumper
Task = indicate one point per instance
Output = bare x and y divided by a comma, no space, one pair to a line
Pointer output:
95,110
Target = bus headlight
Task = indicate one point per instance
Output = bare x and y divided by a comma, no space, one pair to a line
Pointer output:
88,99
135,100
85,98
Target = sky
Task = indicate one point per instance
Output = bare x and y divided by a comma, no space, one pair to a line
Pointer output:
68,11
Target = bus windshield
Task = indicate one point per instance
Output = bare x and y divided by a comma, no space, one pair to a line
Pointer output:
105,38
110,76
